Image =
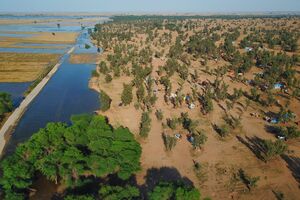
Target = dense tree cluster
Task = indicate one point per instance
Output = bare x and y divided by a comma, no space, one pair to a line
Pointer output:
71,155
176,191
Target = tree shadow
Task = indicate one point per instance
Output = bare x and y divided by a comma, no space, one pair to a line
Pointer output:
152,178
255,144
156,175
93,185
273,130
294,165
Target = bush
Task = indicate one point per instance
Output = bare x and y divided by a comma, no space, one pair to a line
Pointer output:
173,190
95,73
290,132
223,130
273,149
6,104
145,125
249,181
199,139
169,141
127,96
118,192
159,115
108,78
105,101
172,123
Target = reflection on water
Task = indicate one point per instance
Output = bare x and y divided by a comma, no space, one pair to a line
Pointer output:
84,44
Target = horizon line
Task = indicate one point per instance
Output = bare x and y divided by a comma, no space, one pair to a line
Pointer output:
152,13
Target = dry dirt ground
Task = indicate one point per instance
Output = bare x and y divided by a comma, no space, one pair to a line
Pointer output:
24,67
220,158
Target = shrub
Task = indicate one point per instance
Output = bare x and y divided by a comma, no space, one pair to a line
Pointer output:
175,190
127,96
145,125
273,149
172,123
249,181
108,78
199,139
105,101
95,73
6,104
159,115
223,130
169,141
290,132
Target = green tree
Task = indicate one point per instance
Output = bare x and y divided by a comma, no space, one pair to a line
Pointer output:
127,96
273,149
89,147
118,193
176,191
6,104
159,115
108,78
105,101
169,141
249,181
145,125
79,197
199,139
140,92
289,132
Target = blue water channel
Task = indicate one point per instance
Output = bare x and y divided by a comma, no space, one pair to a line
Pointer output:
16,90
67,93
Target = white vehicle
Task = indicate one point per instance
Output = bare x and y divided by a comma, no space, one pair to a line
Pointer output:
281,137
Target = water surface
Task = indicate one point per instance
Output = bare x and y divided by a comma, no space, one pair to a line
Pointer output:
67,93
16,90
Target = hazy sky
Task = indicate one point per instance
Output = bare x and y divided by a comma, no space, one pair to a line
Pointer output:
148,5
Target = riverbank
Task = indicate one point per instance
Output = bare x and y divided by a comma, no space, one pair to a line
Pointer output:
18,112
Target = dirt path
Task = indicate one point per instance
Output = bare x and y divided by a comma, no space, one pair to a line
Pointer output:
18,112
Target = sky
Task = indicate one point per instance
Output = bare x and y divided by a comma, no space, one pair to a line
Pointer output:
148,5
